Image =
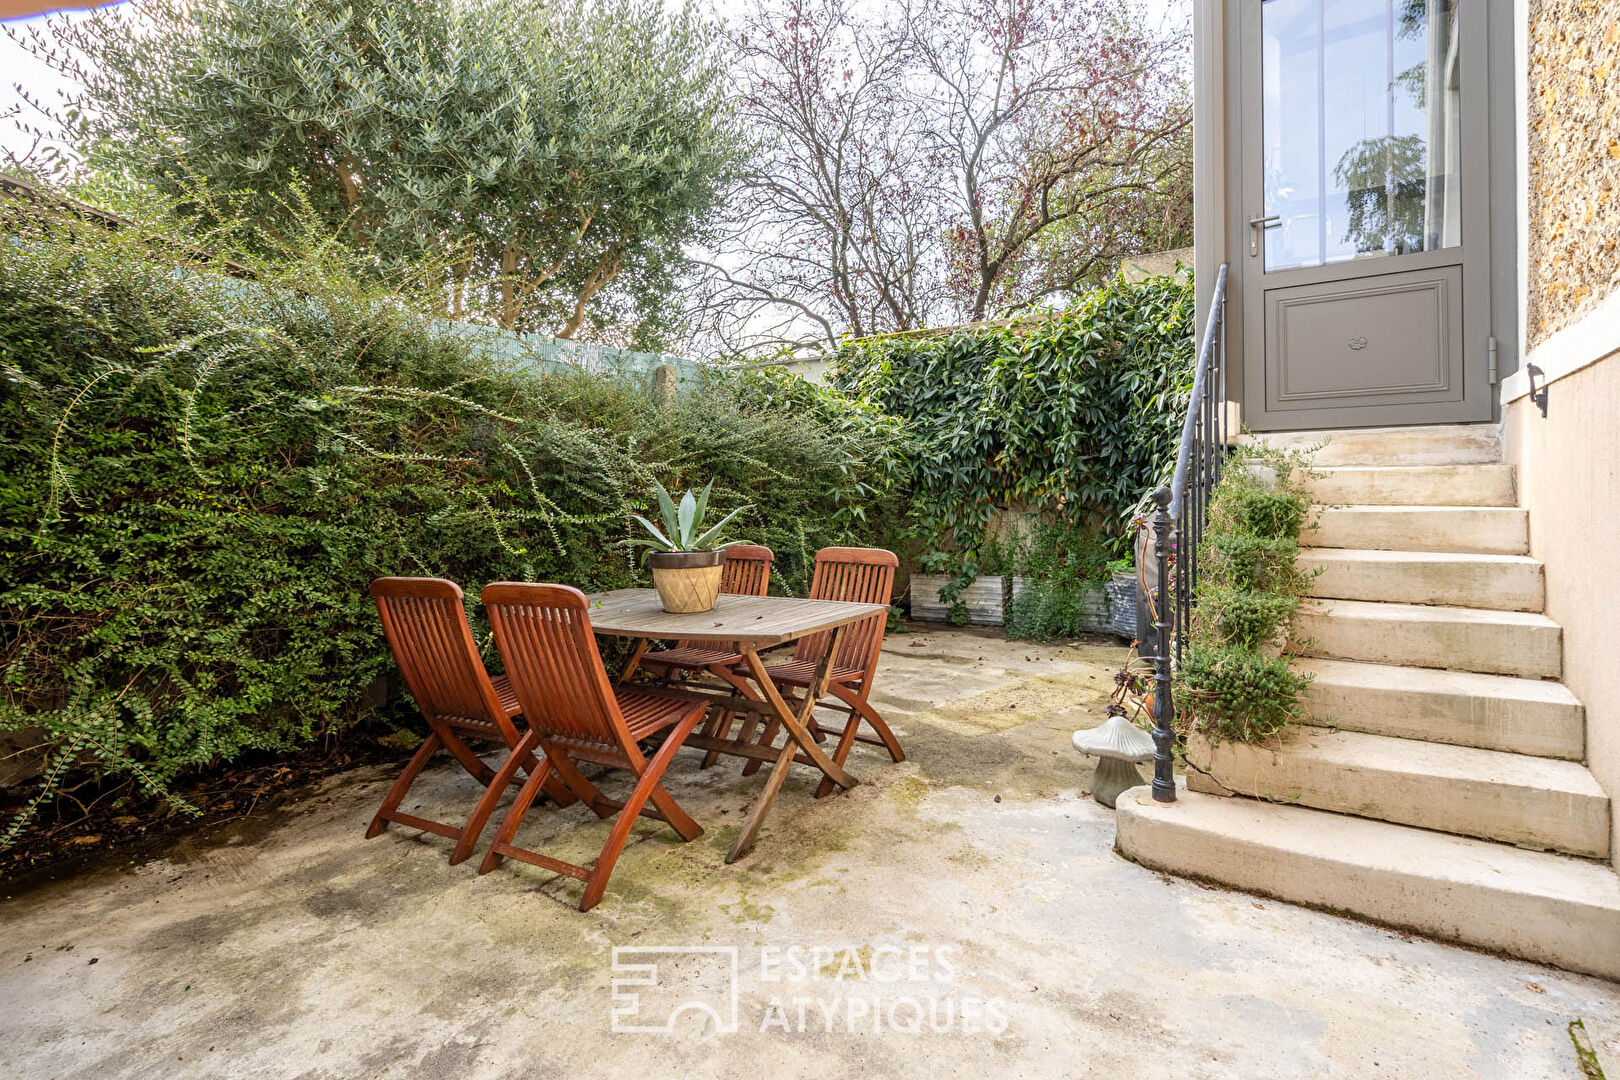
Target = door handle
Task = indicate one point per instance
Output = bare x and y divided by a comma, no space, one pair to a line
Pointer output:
1259,225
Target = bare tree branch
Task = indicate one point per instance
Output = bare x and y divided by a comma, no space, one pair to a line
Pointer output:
948,161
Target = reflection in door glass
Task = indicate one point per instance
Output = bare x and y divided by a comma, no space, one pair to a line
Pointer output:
1360,103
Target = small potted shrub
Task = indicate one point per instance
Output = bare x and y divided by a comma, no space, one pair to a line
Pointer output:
686,564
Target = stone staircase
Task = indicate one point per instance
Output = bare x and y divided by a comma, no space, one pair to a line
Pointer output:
1444,791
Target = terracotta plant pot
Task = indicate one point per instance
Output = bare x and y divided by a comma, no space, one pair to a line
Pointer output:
687,581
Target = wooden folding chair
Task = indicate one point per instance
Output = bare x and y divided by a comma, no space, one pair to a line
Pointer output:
426,627
747,573
576,715
857,575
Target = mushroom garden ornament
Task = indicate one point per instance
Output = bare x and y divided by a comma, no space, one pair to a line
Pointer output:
1118,745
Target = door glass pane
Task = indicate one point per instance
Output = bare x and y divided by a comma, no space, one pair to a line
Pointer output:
1360,103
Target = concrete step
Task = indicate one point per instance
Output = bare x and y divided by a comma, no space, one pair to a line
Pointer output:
1456,638
1551,909
1435,444
1500,582
1499,530
1492,712
1529,801
1423,485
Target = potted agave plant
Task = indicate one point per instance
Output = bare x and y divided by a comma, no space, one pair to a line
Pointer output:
686,564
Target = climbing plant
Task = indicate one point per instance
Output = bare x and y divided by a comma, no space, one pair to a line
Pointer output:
1073,415
1061,570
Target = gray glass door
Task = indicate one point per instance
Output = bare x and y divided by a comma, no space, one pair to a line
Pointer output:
1364,196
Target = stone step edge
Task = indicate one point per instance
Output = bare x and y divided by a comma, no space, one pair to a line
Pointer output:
1466,578
1331,608
1567,749
1568,839
1327,527
1402,892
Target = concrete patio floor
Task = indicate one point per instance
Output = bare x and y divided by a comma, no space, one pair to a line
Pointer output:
972,888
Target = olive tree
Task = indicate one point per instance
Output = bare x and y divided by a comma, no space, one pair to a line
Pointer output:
555,155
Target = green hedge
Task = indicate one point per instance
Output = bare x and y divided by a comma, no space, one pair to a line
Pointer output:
201,471
199,476
1075,415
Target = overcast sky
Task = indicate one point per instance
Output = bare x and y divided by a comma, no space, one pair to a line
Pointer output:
22,70
25,72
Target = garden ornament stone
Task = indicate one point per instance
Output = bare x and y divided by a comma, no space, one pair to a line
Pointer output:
1118,745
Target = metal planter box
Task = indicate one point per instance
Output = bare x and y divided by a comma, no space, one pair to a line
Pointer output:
985,599
1121,589
1107,609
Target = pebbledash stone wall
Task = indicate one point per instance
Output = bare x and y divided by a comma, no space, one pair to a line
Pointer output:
1574,167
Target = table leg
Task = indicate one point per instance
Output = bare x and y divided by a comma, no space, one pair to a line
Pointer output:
722,718
635,661
798,738
756,817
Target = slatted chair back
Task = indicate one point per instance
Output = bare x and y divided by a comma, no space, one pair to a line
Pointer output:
426,626
859,576
544,635
747,570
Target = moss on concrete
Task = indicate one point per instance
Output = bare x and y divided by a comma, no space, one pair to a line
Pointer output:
309,951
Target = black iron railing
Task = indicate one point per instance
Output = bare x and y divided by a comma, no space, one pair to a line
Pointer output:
1178,527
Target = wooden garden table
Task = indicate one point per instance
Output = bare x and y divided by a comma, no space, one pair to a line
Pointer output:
752,623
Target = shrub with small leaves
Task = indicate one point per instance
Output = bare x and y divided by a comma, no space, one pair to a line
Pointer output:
1244,619
1235,681
1264,512
1251,562
201,471
1239,694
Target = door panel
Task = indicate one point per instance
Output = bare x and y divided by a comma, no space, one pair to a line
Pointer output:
1386,340
1362,139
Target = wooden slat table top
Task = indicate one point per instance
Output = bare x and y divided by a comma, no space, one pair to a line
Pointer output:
751,620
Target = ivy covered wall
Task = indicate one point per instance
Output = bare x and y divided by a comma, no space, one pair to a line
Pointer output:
1074,415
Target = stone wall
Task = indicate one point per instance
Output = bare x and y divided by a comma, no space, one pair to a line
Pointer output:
1141,267
1574,166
